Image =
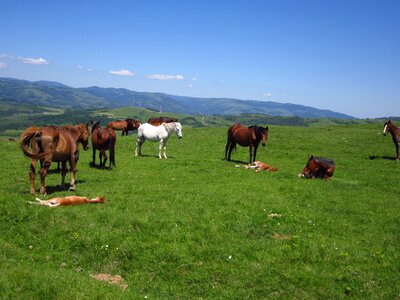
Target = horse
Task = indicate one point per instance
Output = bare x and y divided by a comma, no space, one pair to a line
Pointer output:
246,137
318,167
158,121
103,139
53,144
395,132
124,125
159,133
69,200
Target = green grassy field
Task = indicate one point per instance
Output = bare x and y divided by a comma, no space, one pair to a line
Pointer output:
195,227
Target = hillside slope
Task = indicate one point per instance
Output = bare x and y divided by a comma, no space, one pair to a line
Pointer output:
53,94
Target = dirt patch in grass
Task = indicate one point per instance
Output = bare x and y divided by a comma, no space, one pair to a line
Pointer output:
116,279
281,237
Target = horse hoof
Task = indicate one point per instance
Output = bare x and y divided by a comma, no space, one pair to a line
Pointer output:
43,191
72,188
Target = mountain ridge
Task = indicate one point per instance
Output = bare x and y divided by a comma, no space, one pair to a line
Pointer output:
49,93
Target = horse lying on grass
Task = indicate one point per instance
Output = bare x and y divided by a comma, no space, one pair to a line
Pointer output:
259,166
318,167
70,200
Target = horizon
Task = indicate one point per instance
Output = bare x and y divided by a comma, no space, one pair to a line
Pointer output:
340,56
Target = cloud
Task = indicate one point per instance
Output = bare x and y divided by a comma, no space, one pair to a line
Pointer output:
122,73
267,94
84,69
3,55
33,61
2,65
165,77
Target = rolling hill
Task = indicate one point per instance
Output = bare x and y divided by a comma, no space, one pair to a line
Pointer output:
54,94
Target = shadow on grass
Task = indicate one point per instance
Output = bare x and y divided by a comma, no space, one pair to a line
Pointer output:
372,157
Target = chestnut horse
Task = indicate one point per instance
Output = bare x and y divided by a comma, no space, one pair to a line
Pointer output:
103,139
124,126
395,132
53,144
158,121
318,167
246,137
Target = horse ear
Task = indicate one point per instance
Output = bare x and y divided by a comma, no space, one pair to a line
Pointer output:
91,122
266,127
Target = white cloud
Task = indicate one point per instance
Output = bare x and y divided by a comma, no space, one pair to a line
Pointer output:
33,61
268,94
2,65
122,73
165,77
84,69
6,56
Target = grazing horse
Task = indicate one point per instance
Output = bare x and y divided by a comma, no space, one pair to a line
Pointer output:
159,133
158,121
53,144
125,126
103,139
318,167
246,137
395,132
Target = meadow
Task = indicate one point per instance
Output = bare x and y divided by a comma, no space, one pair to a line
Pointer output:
194,226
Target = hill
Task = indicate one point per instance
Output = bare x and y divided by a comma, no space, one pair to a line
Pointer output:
53,94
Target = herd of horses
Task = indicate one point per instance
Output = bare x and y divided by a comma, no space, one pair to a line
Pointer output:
60,144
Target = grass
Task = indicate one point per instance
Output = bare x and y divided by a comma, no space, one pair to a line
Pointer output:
195,227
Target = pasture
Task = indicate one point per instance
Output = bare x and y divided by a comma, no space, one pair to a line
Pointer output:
196,227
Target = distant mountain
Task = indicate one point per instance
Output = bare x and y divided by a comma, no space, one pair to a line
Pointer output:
54,94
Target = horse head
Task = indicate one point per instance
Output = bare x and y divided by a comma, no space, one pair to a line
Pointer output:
95,125
84,135
178,129
386,127
309,168
262,134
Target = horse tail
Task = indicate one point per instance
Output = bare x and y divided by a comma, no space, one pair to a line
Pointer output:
25,141
111,143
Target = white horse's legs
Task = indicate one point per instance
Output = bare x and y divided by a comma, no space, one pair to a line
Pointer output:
160,147
165,150
138,148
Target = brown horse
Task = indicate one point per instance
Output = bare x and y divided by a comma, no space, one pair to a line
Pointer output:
318,167
53,144
395,132
124,125
158,121
246,137
103,139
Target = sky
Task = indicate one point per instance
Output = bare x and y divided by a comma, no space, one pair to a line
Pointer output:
341,55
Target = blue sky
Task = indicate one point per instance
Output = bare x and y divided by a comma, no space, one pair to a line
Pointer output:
342,55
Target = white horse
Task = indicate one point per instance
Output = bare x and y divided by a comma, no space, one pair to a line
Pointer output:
160,133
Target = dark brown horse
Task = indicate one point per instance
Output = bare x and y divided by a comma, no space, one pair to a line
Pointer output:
395,132
53,144
318,167
246,137
158,121
103,139
124,125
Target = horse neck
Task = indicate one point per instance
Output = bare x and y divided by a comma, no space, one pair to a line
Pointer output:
169,127
393,129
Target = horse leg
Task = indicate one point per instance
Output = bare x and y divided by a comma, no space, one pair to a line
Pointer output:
72,162
398,150
255,153
104,154
231,147
251,153
138,148
63,172
32,175
228,143
43,173
165,149
94,157
160,149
